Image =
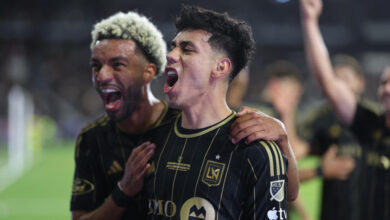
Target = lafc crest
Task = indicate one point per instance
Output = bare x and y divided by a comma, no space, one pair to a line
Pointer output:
277,190
213,173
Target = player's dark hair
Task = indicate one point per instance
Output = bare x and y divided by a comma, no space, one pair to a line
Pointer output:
227,34
346,60
284,69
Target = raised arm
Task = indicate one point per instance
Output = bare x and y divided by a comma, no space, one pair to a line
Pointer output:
341,98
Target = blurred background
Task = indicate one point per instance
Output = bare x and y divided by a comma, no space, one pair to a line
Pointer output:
47,94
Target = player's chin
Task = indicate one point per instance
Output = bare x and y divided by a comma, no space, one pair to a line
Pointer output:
116,116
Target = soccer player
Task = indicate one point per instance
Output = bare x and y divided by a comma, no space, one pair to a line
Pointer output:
199,173
127,52
341,191
371,130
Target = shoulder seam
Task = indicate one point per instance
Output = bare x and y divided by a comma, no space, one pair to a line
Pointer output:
99,122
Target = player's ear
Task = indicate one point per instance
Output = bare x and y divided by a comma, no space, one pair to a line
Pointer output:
149,72
222,68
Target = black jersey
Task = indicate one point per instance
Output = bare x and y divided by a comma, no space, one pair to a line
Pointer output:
102,150
200,174
340,198
371,131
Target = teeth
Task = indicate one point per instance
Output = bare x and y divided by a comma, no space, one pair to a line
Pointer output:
109,90
171,73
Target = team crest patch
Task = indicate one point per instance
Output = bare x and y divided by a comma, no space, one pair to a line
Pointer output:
213,172
277,190
82,186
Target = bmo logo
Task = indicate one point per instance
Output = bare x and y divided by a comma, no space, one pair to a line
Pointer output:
275,214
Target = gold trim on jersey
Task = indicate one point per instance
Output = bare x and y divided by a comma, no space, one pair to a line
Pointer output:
224,181
276,156
178,166
213,172
226,120
158,162
253,170
162,116
174,177
280,156
204,158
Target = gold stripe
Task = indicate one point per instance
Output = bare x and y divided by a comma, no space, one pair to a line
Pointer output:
271,160
158,162
254,203
78,146
280,157
226,120
276,158
204,158
253,170
174,178
224,181
162,116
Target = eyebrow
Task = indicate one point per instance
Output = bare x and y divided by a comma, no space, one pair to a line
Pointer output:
111,59
119,58
183,44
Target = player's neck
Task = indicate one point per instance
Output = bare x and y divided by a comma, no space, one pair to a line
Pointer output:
201,115
145,115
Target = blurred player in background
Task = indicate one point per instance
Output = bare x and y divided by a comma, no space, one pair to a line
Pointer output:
371,129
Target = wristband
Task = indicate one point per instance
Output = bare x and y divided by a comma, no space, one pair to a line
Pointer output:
120,198
319,171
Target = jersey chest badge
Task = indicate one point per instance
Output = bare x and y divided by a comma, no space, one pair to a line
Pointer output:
213,173
277,190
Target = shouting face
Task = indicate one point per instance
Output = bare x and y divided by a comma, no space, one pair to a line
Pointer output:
190,63
117,67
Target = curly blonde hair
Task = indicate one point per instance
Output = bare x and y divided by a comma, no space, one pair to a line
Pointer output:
136,27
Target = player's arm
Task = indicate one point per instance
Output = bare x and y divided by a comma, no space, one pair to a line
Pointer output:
130,185
266,183
255,125
342,99
332,167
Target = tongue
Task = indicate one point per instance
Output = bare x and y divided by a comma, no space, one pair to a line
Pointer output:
113,97
113,101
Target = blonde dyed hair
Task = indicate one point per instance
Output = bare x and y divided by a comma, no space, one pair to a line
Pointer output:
136,27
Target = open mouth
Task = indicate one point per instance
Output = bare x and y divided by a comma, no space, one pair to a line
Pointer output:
172,78
112,98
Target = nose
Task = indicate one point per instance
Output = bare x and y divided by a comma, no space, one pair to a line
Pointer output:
172,56
104,75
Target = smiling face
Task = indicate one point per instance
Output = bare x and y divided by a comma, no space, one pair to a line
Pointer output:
117,67
384,90
190,63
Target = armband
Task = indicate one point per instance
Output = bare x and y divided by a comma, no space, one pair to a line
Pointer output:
120,198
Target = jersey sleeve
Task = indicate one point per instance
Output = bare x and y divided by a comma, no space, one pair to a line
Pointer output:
267,183
85,190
